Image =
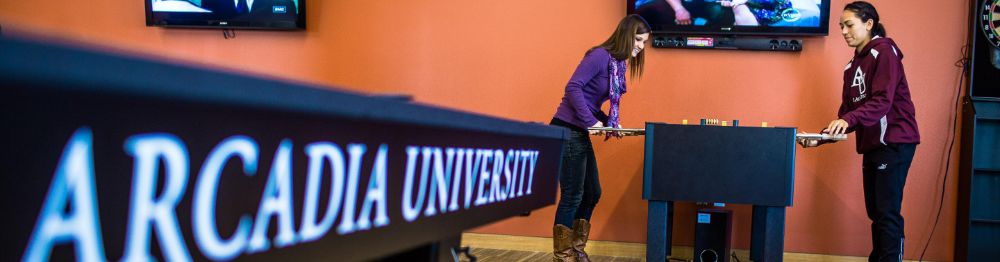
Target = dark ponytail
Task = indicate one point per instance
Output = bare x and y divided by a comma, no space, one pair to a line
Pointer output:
866,11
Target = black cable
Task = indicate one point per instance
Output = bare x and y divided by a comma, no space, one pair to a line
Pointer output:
228,33
964,64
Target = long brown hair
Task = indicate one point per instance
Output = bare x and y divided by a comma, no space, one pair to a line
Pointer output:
622,41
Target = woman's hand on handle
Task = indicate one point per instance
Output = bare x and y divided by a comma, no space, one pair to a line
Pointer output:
615,134
807,143
595,132
836,127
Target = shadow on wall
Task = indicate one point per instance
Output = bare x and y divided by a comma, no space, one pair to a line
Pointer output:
623,213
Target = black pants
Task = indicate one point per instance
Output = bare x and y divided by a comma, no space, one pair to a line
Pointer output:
884,177
579,187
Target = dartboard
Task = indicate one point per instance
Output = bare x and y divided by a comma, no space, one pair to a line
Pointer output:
990,21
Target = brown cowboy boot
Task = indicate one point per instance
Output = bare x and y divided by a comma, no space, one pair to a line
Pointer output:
581,229
562,243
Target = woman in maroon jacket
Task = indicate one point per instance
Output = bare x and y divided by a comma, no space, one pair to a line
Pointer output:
876,106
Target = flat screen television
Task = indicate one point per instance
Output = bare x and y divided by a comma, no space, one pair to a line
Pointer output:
227,14
735,17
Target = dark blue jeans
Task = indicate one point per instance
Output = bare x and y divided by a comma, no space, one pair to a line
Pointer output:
885,172
579,187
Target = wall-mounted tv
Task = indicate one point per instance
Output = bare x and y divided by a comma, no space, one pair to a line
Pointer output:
735,17
227,14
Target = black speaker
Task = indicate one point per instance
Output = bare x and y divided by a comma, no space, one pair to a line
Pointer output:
728,42
712,235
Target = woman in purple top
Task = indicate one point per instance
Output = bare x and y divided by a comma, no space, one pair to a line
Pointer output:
876,106
598,78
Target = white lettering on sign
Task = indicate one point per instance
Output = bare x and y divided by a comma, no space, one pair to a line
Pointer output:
433,179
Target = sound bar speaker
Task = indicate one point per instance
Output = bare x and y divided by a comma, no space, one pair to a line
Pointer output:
713,235
728,42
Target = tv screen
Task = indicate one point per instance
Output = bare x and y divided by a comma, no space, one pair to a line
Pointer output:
746,17
246,14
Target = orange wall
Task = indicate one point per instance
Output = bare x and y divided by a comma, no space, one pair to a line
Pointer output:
512,58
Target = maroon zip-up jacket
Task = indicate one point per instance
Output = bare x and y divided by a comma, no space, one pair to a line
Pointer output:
876,99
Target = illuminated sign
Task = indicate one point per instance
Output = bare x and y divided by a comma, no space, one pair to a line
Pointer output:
483,176
97,174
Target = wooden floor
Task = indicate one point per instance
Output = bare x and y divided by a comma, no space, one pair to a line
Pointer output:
490,255
489,247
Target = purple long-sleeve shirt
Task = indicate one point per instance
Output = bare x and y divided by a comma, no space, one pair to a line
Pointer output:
876,99
586,91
